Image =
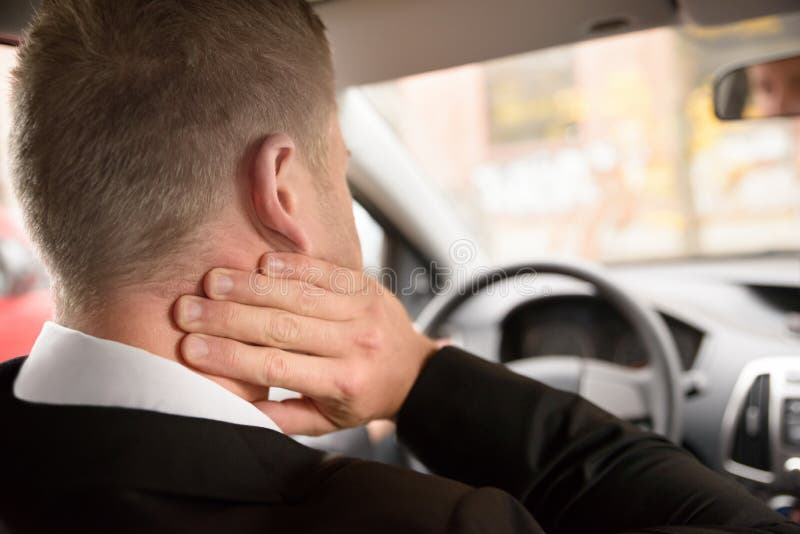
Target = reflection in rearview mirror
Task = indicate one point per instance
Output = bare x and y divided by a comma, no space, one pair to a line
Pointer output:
760,90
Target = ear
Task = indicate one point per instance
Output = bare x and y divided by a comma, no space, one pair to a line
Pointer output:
274,172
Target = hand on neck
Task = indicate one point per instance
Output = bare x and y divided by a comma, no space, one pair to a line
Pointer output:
142,315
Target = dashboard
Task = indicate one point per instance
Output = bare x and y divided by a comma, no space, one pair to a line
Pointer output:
588,327
735,323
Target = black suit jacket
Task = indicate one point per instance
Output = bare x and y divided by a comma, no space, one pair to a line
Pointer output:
512,449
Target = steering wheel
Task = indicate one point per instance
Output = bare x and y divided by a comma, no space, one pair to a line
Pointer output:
652,393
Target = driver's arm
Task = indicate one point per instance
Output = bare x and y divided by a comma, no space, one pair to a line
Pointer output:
355,357
575,467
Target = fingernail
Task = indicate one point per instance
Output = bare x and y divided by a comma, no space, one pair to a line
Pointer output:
194,348
275,265
221,284
191,310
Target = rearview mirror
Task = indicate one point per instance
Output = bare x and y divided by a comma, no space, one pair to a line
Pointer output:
759,90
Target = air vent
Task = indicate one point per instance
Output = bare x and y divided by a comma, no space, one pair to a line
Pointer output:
751,436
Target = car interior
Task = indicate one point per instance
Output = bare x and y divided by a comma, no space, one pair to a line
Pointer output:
603,196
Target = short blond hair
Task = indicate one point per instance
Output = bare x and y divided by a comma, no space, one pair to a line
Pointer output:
131,118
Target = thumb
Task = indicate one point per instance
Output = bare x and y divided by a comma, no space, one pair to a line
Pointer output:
297,416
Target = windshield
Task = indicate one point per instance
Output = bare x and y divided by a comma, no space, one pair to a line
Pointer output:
607,150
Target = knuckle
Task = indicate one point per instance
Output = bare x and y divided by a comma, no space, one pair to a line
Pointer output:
233,355
228,313
351,386
274,369
371,339
308,302
283,328
260,284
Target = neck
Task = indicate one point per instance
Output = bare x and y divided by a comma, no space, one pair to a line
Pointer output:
140,319
142,316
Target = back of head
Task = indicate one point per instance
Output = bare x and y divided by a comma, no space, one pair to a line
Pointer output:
132,117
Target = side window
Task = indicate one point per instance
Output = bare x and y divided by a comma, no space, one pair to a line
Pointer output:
372,236
394,261
24,298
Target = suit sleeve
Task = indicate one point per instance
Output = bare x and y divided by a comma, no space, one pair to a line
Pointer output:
573,466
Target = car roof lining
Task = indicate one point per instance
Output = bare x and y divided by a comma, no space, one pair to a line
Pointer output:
376,40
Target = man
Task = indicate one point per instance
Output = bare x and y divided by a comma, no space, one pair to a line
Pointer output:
774,88
156,139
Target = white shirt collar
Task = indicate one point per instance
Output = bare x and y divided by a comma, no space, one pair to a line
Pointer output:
69,367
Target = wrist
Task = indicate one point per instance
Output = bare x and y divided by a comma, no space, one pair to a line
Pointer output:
427,348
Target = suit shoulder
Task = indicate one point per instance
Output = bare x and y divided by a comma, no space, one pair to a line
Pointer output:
11,367
387,495
8,374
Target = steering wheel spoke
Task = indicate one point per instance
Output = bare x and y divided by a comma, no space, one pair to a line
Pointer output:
622,391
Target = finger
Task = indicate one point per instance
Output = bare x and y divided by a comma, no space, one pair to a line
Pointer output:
320,273
262,326
286,294
263,366
297,417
